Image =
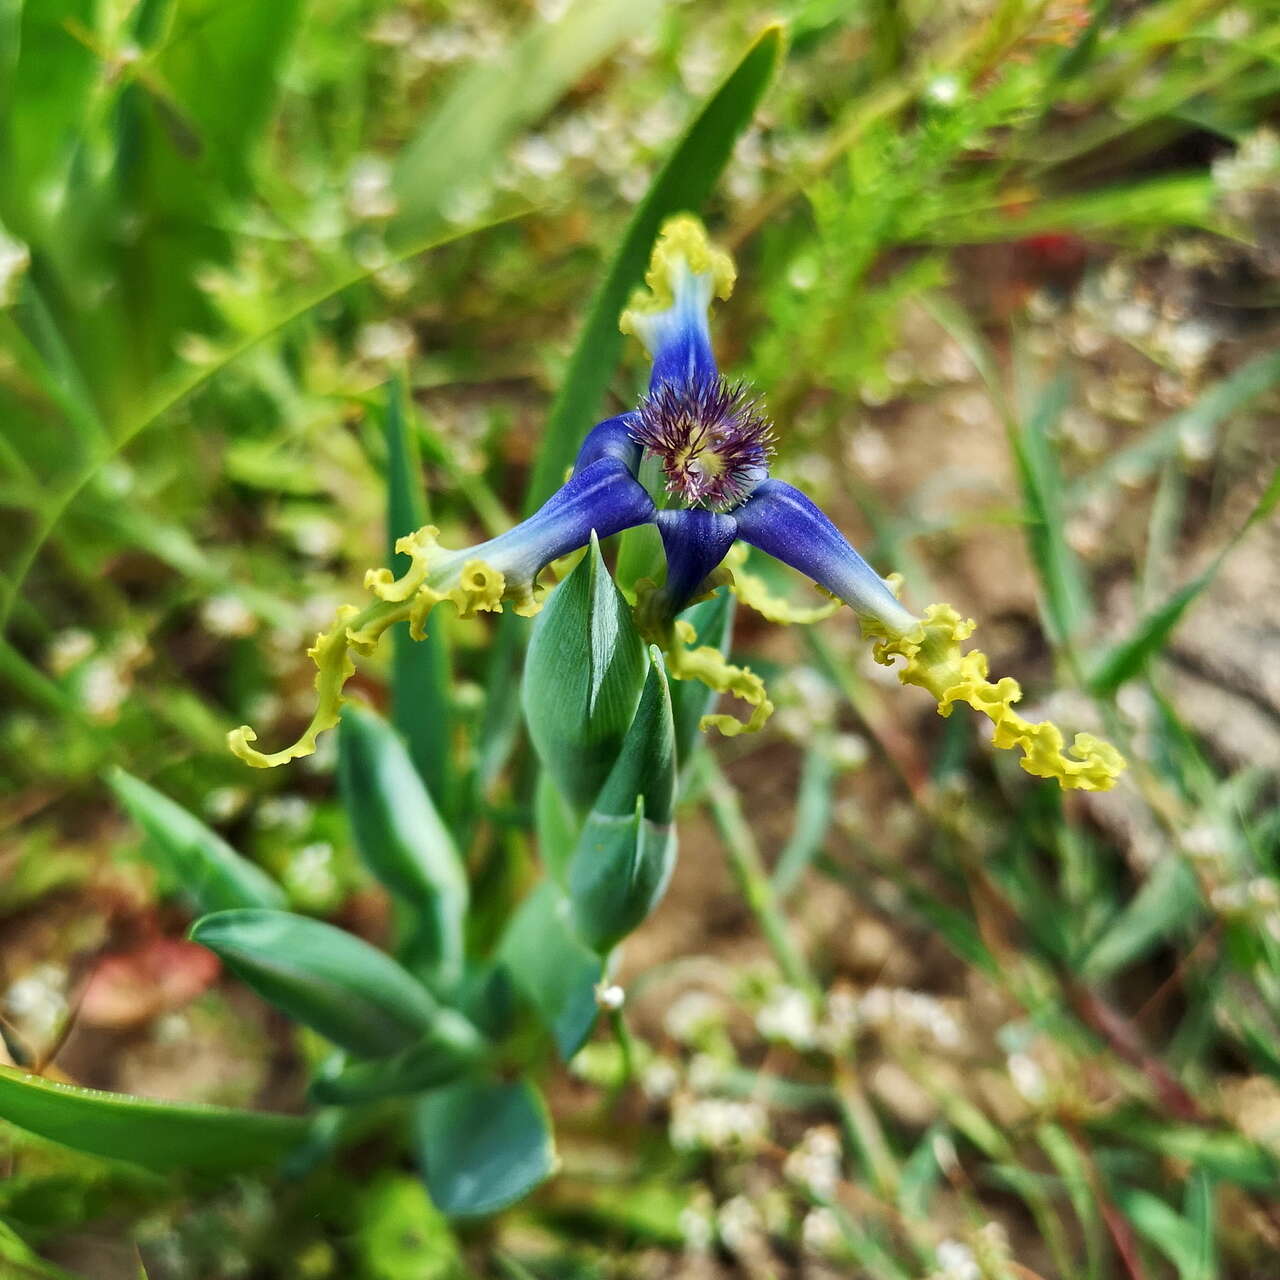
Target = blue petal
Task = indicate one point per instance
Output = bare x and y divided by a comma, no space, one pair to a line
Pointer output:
603,496
783,523
610,439
695,541
679,338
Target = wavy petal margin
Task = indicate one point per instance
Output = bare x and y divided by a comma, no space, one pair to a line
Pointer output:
936,662
477,587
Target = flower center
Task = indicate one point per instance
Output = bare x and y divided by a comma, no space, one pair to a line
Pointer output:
712,438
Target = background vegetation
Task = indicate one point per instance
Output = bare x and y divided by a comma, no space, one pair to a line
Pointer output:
1008,282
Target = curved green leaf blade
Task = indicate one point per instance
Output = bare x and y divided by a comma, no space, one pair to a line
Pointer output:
482,1145
420,707
211,873
684,182
582,679
324,977
163,1136
402,838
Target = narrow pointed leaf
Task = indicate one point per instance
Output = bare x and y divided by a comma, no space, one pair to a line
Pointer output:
420,707
626,852
556,973
1128,658
324,977
684,182
482,1145
163,1136
582,679
205,867
402,838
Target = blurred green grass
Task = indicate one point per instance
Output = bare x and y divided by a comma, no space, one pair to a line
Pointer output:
1008,284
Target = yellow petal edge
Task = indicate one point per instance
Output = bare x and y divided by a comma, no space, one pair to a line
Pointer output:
935,661
688,660
753,591
478,587
682,244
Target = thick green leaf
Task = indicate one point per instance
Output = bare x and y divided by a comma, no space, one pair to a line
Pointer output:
160,1135
420,669
556,825
627,849
582,679
402,838
455,152
684,182
205,867
451,1049
690,699
324,977
482,1145
552,968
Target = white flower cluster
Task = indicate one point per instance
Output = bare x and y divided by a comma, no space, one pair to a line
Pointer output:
815,1164
788,1017
716,1124
1253,165
692,1015
37,1001
898,1007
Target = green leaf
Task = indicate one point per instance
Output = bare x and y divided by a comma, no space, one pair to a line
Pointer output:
1221,401
420,669
1227,1155
690,699
552,968
324,977
684,182
457,149
582,679
163,1136
205,867
627,849
452,1048
556,826
1166,1229
401,1235
1062,583
1169,899
482,1145
1128,658
401,837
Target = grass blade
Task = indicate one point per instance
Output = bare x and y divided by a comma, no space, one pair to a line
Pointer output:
420,671
1127,659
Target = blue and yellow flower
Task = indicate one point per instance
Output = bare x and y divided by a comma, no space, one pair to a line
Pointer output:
712,444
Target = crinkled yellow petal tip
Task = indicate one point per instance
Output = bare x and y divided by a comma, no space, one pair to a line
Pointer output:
934,660
682,245
479,588
688,660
